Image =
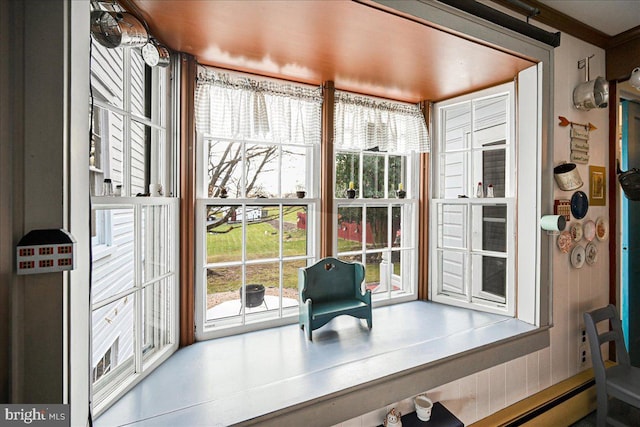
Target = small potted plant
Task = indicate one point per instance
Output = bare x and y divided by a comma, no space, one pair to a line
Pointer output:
351,191
300,193
400,192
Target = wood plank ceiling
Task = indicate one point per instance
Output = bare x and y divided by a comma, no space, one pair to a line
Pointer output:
358,46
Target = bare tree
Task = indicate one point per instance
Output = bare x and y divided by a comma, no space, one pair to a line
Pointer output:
223,172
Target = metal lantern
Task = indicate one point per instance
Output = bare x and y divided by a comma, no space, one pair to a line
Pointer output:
117,29
592,93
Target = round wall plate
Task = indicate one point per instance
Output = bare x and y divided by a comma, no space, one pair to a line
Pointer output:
589,228
565,241
579,204
591,253
576,232
602,229
578,256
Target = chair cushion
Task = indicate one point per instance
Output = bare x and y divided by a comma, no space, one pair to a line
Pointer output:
623,382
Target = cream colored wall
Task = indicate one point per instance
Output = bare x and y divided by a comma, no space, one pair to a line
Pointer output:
574,291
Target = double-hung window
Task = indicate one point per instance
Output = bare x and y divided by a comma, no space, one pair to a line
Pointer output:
257,208
376,179
473,213
134,263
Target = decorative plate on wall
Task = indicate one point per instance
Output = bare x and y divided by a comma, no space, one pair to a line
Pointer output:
591,253
589,230
576,232
577,256
565,241
579,204
602,229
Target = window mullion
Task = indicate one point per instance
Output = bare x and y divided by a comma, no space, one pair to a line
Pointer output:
138,257
127,128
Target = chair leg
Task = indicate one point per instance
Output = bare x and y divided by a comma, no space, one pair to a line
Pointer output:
603,409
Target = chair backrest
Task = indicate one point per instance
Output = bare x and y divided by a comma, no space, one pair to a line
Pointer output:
596,339
331,279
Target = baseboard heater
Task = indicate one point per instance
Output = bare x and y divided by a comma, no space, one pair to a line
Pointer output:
561,404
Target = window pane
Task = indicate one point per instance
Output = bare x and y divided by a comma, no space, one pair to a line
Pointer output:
373,269
452,226
347,170
349,229
113,323
113,253
110,152
397,174
490,228
224,234
453,176
452,267
262,279
493,272
295,230
262,170
157,245
159,160
223,297
140,135
377,226
107,68
223,162
489,121
493,170
373,172
140,96
396,226
294,170
156,315
262,231
401,268
290,282
457,127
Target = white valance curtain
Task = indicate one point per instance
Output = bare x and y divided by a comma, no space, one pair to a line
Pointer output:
236,106
364,123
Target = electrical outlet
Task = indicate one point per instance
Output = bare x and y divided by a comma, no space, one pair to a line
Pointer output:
583,354
583,357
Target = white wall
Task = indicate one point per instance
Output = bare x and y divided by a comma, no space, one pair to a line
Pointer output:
574,291
44,132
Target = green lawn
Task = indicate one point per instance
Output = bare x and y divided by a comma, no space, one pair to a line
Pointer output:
224,245
263,240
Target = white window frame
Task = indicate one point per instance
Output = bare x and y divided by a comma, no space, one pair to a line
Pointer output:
127,373
246,322
409,205
523,266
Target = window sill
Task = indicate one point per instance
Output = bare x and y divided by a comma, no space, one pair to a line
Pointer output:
277,377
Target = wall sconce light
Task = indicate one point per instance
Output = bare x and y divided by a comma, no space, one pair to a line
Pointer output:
634,80
592,93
